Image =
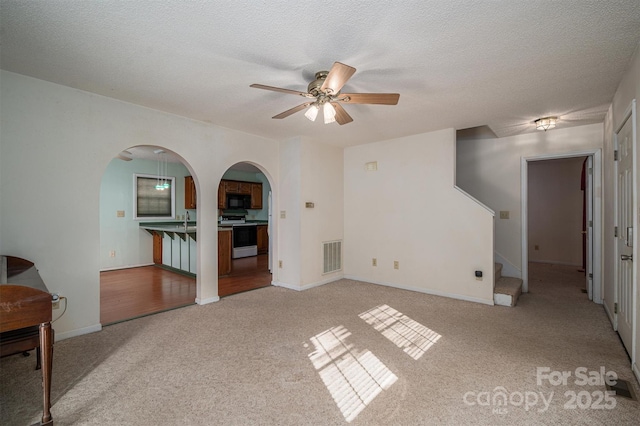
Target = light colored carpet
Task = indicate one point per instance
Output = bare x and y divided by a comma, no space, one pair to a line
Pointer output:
345,351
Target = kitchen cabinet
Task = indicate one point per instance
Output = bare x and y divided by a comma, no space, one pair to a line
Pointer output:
189,193
237,187
231,186
256,196
157,248
224,252
244,188
222,196
263,239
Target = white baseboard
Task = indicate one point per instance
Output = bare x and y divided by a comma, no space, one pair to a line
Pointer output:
425,291
636,371
78,332
116,268
306,286
554,262
207,300
508,268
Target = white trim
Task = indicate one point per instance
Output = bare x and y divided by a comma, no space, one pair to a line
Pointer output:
629,114
77,332
508,268
207,300
117,268
554,262
306,286
597,215
422,290
636,371
135,197
480,203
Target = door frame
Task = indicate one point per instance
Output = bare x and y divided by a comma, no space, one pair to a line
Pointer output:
629,114
596,261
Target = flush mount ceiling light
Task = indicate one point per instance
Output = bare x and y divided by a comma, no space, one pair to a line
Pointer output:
546,123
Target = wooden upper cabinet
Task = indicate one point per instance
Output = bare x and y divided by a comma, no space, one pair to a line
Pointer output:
231,186
222,195
237,187
244,188
256,195
190,199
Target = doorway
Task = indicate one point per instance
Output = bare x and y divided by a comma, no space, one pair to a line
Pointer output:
246,226
145,271
556,238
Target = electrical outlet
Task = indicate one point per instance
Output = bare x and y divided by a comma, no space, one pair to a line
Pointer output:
279,263
504,214
396,264
55,305
112,253
374,262
283,214
119,213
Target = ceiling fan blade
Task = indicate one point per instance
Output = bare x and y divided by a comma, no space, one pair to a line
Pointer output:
279,89
370,98
341,115
337,77
293,110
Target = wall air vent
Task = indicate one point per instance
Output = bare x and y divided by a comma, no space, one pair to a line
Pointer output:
332,256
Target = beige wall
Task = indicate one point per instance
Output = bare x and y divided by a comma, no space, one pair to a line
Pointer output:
56,143
555,211
490,170
409,211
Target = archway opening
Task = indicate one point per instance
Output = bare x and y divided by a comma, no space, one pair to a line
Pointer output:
148,239
245,228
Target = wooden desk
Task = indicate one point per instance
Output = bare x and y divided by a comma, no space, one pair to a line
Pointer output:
24,303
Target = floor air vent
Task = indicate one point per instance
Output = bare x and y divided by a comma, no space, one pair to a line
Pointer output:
332,255
623,388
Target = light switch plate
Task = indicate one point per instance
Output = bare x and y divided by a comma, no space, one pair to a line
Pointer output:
119,213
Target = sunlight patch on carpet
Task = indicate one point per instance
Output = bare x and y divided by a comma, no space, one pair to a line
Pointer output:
353,377
411,336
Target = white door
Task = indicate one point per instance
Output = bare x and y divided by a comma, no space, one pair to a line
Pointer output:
589,225
624,239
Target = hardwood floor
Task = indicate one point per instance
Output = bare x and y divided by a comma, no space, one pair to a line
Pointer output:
130,293
247,273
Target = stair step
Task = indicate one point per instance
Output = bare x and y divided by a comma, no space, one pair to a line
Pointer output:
497,272
507,290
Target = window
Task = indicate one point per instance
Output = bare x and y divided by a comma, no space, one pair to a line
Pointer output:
152,203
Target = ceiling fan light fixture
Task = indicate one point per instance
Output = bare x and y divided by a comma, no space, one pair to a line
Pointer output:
312,112
546,123
329,113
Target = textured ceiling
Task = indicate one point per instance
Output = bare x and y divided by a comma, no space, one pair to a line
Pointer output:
459,64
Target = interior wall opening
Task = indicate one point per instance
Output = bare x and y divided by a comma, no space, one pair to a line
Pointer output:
148,234
562,218
244,230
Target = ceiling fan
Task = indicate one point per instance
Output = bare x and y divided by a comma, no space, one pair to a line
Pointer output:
324,93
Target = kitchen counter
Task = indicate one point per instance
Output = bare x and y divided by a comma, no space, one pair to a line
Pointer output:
170,226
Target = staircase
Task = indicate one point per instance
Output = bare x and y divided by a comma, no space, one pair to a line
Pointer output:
506,290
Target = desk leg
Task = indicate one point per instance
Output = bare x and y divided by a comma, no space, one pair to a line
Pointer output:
46,350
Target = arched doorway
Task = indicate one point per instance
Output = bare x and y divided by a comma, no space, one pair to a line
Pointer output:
245,229
148,242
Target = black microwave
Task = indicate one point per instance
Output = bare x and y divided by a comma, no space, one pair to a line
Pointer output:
237,201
